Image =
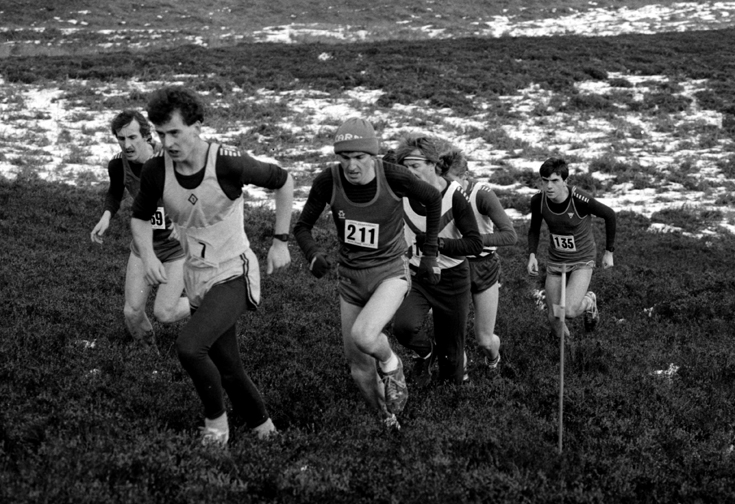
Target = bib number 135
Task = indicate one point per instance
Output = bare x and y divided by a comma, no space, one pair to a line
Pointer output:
362,234
564,242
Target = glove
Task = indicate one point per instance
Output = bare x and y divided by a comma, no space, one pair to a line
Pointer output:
420,240
320,265
429,270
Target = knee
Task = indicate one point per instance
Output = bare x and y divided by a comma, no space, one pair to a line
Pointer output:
187,350
132,312
165,314
403,330
364,337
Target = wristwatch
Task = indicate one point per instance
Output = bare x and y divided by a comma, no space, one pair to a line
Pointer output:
282,237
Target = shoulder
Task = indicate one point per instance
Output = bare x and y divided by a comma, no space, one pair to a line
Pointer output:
228,151
459,196
115,161
580,195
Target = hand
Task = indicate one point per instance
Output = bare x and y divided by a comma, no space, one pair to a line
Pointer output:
607,260
532,265
320,265
278,256
420,241
155,273
100,229
429,270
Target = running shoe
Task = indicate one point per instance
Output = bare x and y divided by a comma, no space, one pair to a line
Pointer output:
391,423
422,368
465,374
214,437
492,364
539,299
591,315
396,392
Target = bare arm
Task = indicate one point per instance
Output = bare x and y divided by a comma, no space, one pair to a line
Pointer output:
278,255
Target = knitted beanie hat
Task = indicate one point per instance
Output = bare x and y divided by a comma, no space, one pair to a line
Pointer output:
356,135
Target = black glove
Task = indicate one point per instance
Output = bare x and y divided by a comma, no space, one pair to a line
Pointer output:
320,265
429,270
420,240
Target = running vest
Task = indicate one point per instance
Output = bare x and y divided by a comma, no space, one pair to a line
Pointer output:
210,224
160,222
416,223
570,236
484,223
370,234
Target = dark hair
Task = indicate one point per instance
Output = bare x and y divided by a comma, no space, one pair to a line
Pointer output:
427,145
126,117
165,101
454,160
554,165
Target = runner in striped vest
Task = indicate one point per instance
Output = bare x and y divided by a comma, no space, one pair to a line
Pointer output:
448,300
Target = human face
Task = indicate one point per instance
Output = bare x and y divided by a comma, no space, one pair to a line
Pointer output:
132,143
420,166
358,167
179,139
554,187
459,174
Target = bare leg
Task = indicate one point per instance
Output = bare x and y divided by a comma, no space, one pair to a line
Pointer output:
136,296
486,310
169,306
364,340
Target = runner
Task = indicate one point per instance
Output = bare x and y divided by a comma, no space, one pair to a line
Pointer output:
496,230
133,134
201,184
449,300
364,195
566,211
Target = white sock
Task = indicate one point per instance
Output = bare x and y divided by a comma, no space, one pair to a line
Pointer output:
391,364
265,429
219,423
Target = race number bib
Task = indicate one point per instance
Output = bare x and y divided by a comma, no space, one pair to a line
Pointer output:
158,221
362,234
565,243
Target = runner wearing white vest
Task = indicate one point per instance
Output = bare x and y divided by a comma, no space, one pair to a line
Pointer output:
449,299
496,230
201,187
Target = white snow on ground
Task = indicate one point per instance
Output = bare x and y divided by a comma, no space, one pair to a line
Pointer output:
41,132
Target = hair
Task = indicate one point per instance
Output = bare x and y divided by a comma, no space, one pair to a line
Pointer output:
554,165
126,117
165,101
428,146
453,160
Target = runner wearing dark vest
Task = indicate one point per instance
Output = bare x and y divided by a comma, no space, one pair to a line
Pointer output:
568,213
365,198
133,134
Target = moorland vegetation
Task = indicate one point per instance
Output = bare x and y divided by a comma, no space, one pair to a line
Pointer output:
87,416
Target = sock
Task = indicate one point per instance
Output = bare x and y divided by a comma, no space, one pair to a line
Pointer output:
265,429
219,423
391,364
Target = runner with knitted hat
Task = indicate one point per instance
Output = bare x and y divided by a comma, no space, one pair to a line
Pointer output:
365,197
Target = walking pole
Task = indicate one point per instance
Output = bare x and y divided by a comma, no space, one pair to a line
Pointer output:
560,313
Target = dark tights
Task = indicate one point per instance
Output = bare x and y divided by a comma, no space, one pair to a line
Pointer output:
208,350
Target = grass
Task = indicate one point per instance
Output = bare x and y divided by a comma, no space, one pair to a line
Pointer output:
89,417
